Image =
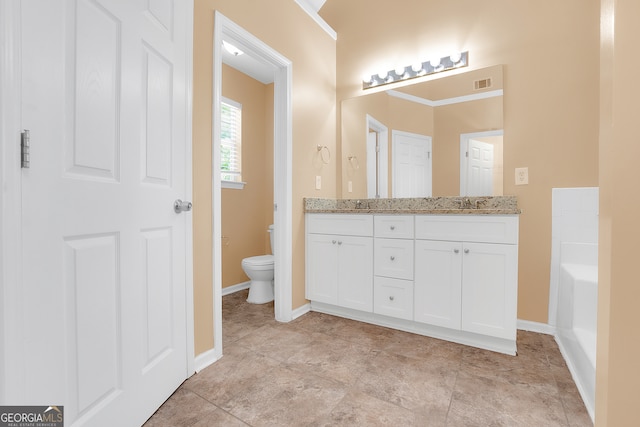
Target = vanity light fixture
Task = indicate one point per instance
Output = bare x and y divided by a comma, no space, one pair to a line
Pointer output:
432,66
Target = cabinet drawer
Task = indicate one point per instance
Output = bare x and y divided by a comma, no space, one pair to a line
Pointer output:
468,228
393,258
393,226
393,297
343,224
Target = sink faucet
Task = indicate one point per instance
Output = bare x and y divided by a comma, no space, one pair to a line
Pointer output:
360,205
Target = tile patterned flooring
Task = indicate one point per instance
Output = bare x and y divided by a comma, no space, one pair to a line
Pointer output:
321,370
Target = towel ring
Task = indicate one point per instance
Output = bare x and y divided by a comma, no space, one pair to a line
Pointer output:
351,158
321,149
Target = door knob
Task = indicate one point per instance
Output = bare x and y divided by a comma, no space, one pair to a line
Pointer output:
180,206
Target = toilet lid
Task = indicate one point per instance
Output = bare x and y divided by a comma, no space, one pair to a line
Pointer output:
259,260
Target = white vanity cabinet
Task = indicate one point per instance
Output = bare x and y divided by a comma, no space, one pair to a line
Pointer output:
339,251
453,277
467,274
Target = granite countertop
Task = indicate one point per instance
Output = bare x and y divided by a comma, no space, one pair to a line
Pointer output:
497,205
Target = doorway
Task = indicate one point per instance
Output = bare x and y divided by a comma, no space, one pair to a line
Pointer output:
377,159
226,29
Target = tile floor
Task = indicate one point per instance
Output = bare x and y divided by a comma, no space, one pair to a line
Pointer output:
321,370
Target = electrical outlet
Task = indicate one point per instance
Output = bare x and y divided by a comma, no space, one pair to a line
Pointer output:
318,182
522,176
350,186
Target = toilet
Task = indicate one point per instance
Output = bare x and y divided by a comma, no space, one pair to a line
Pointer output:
260,271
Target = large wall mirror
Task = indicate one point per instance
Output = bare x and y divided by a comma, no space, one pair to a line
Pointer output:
442,137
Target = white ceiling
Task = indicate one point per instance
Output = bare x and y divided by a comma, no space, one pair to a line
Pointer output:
250,65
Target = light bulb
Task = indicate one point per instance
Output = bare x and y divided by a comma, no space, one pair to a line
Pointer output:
400,71
231,48
383,74
366,78
417,67
455,57
435,62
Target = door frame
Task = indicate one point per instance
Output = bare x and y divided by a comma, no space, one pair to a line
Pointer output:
282,194
464,161
382,158
10,201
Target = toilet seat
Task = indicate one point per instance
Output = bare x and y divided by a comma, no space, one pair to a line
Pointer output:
260,260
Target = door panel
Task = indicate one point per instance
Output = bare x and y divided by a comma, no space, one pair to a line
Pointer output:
92,282
104,254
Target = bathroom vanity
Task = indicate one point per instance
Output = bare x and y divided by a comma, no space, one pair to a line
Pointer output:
441,267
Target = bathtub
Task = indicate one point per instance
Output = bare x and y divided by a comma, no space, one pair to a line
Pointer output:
577,315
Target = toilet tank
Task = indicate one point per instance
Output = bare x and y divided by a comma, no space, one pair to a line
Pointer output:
271,237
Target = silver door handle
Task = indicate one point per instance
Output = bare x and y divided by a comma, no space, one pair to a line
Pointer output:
180,206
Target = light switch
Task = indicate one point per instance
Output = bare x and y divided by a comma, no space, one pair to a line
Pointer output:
522,176
318,182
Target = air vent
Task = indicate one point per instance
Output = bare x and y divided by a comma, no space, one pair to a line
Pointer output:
482,84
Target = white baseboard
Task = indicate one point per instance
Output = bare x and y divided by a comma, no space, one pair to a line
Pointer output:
300,311
235,288
207,358
541,328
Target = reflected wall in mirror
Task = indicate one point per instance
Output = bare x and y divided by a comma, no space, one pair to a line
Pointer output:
441,137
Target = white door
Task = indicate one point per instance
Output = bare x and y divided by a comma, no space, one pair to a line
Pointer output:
104,253
480,172
411,157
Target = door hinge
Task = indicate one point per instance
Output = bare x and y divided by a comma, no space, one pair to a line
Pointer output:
275,207
25,142
466,154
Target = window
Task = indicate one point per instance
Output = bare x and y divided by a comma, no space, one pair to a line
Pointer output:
231,144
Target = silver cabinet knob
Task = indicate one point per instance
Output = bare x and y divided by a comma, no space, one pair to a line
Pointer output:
393,227
180,206
391,298
333,241
466,251
456,251
339,242
393,258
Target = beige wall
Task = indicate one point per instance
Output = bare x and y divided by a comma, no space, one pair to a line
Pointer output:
247,213
451,121
550,53
285,27
618,370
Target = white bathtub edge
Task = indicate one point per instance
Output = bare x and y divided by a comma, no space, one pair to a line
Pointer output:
577,379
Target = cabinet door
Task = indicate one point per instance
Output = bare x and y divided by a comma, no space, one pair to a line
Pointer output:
489,289
355,272
437,284
322,268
